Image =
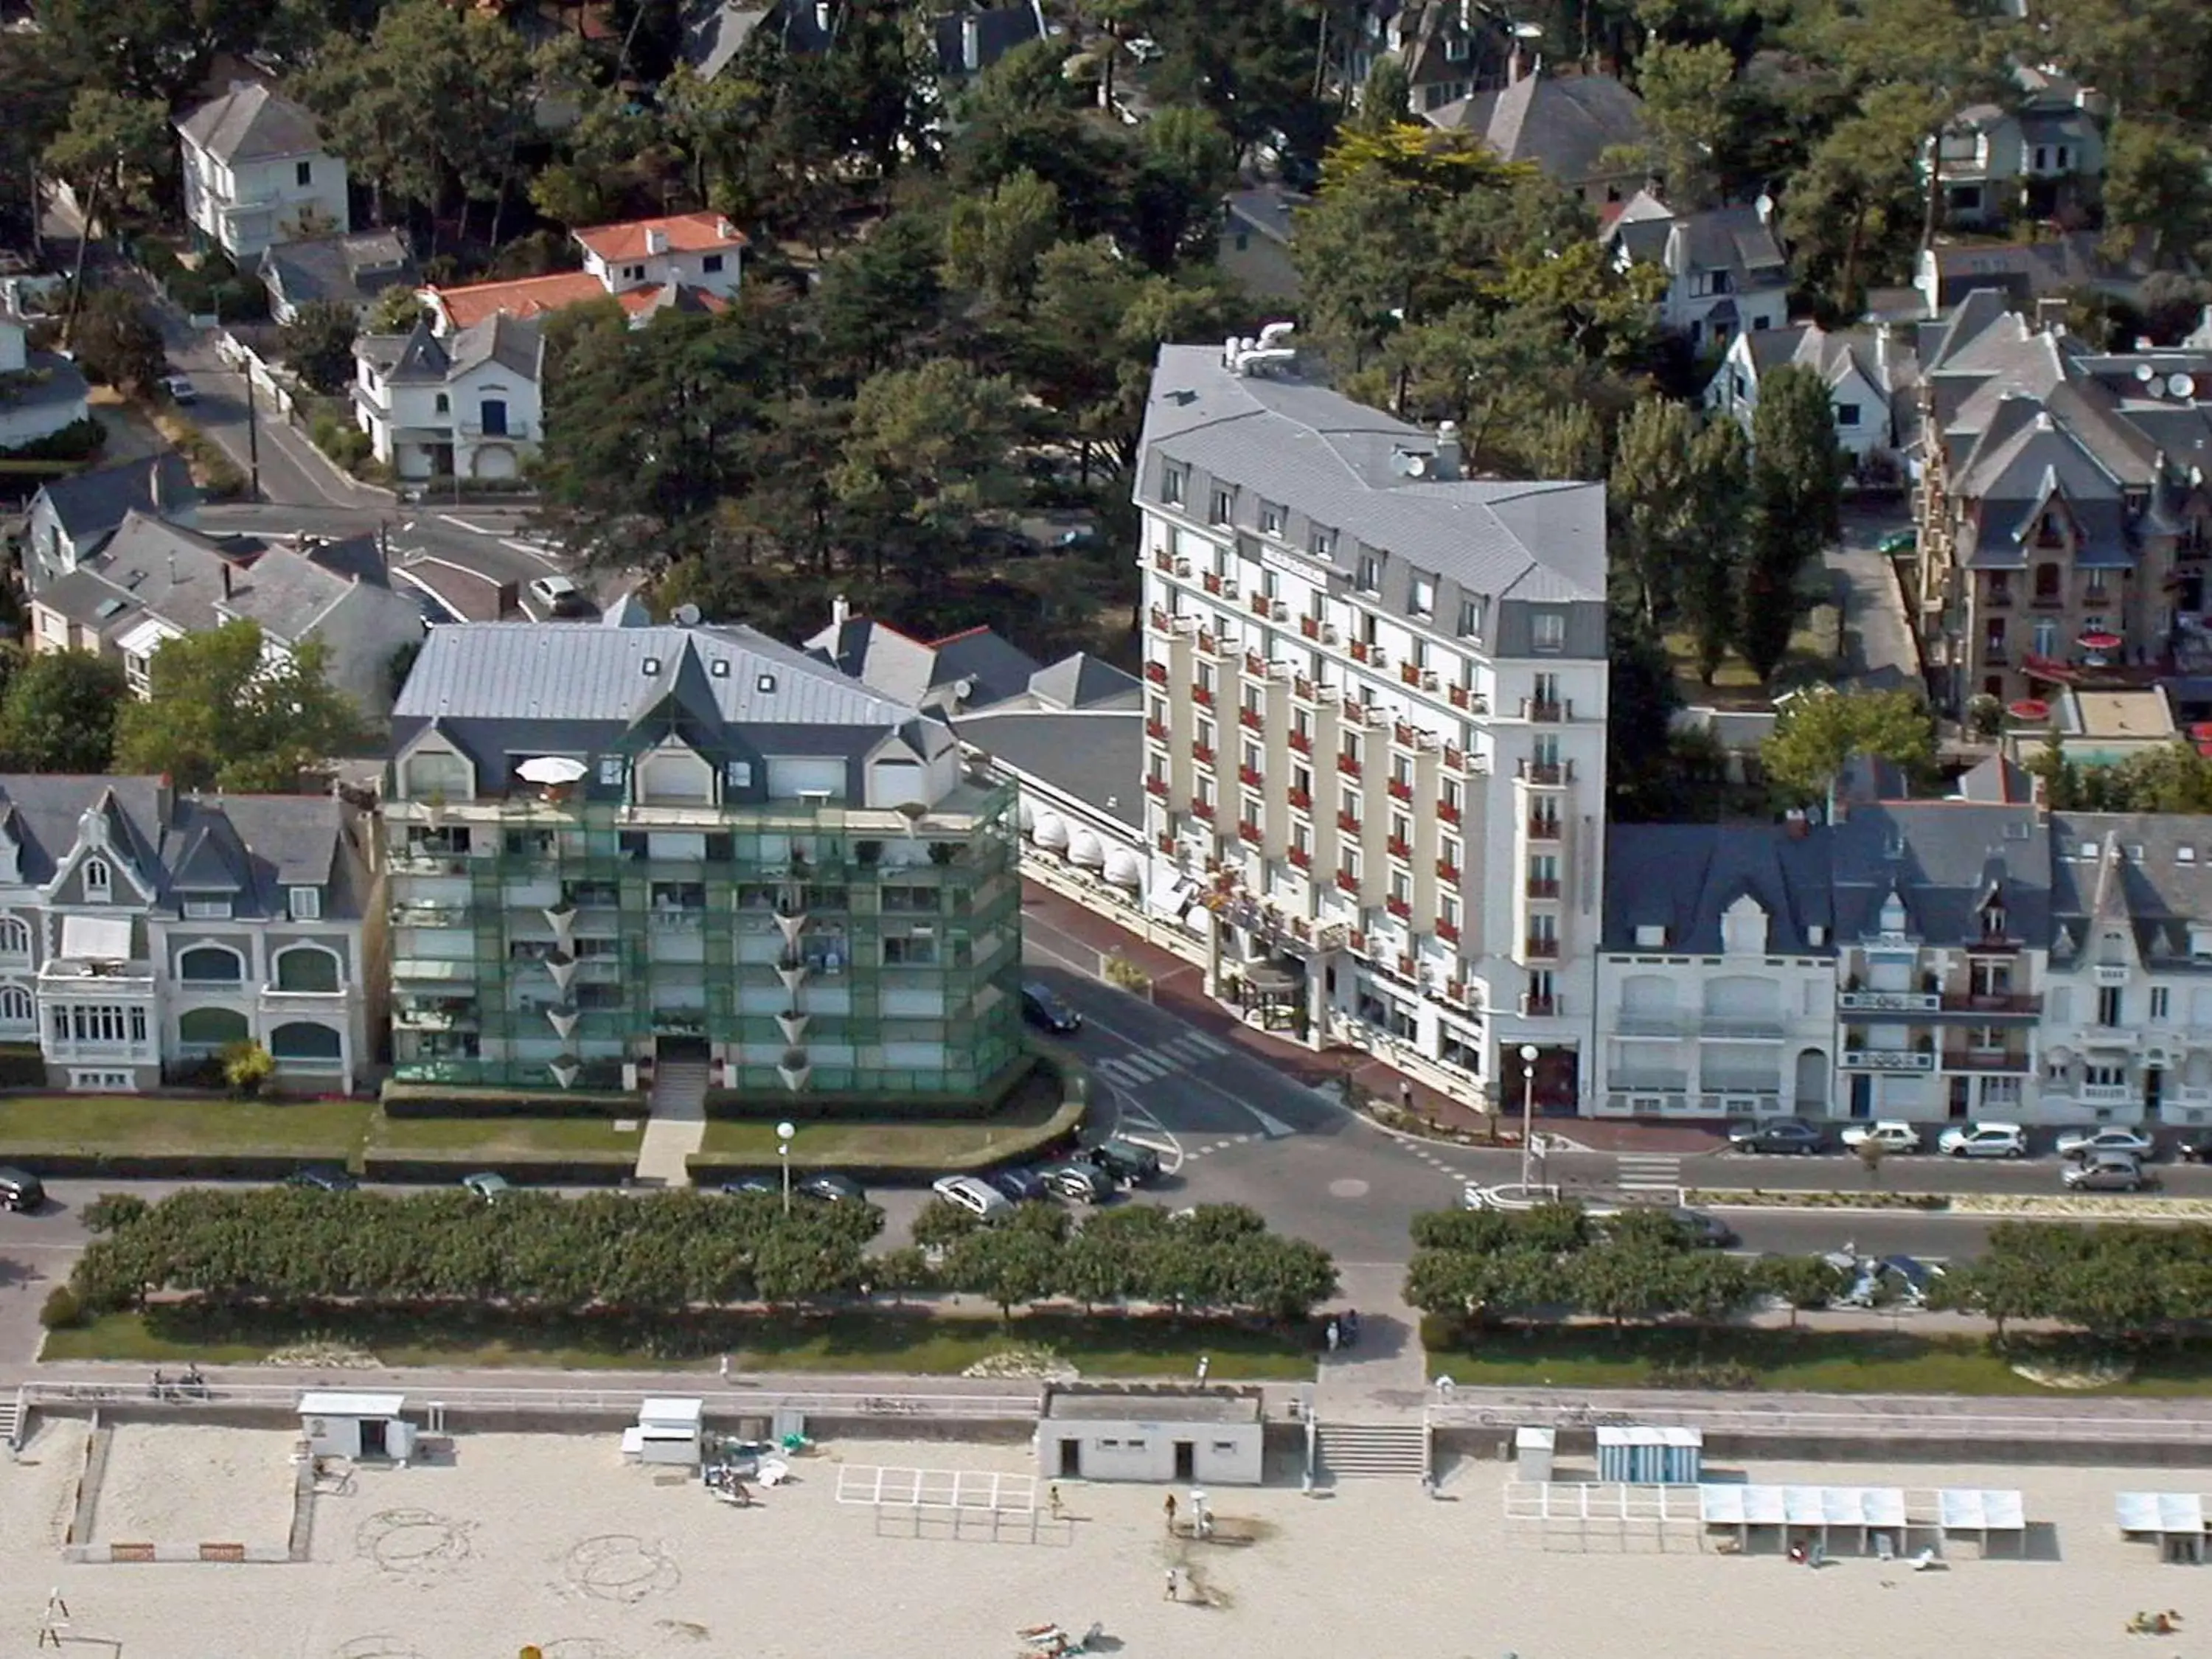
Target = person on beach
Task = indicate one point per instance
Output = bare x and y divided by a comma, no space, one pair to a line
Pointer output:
1169,1509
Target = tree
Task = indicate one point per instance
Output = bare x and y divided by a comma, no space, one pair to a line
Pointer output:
107,152
1713,552
1006,1264
1818,731
1385,96
1651,498
1799,1281
58,712
1796,481
318,343
224,716
117,342
993,242
1853,213
927,449
396,311
1571,443
2158,185
1688,96
156,50
39,90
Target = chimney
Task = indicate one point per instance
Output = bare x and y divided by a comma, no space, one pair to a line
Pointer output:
971,42
157,486
164,798
656,239
840,611
1795,825
1452,456
1882,344
2050,312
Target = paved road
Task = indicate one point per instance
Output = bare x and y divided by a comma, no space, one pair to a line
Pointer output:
1878,644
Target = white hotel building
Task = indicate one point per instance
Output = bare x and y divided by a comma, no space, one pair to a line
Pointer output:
1376,720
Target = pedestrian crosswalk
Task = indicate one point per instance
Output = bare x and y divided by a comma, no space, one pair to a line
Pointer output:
1649,1172
1177,1053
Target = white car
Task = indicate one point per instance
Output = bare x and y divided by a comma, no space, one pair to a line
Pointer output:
1984,1140
977,1197
1146,50
2113,1137
1891,1134
558,595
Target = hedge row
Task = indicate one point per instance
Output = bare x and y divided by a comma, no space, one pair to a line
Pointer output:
428,1100
167,1166
21,1066
428,1170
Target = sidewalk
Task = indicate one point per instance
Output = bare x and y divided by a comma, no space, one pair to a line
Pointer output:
1180,989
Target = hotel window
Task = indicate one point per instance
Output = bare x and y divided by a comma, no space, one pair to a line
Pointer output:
1401,887
1370,574
1221,507
1321,541
1548,631
1422,602
1253,761
1171,485
1347,804
1271,519
2160,1004
2109,1004
1470,617
1448,913
2092,585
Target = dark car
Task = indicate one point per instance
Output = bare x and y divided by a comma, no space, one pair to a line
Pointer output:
1777,1134
1085,1183
831,1187
1042,1007
1707,1231
751,1186
20,1190
1017,1183
1124,1160
323,1178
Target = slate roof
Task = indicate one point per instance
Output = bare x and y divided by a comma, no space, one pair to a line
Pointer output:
1564,124
999,29
514,343
1945,860
1737,240
89,505
1096,757
2150,871
353,270
1683,877
1082,681
1323,455
249,847
642,305
715,31
251,123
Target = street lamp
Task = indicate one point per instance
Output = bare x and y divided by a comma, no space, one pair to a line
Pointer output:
1528,1111
784,1132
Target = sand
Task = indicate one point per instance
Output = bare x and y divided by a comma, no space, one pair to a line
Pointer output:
552,1540
180,1483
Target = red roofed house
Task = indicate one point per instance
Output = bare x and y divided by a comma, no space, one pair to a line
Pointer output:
688,262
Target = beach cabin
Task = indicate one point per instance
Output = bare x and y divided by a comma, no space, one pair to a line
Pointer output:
667,1431
1212,1436
356,1426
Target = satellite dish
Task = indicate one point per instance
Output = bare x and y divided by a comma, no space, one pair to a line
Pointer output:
2180,385
2144,373
687,615
1417,466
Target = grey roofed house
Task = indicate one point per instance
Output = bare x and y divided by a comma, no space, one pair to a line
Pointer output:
2149,871
1563,124
1738,240
348,270
1378,480
154,580
250,123
1682,878
970,40
516,344
70,518
1997,781
1958,866
250,847
2024,271
503,692
716,30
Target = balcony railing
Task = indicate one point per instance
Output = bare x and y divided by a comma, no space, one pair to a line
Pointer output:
1346,882
1248,776
1901,1060
1156,672
1300,858
1550,710
1301,799
1447,873
1400,848
1202,753
1991,1002
1348,764
1348,823
1202,695
1543,829
1541,949
1247,831
1156,731
1202,808
1399,789
1401,909
1543,887
1987,1060
1302,741
2106,1094
1549,775
1157,786
1551,1007
1447,931
1887,1002
1251,720
1446,812
1463,698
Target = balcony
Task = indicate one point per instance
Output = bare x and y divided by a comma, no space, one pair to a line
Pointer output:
1348,764
1301,800
1741,1028
1202,753
1998,599
1348,823
1248,776
1302,741
1400,848
1447,873
1159,615
1650,1022
1164,564
1462,698
1542,887
1988,1060
1552,1007
1262,606
1410,673
1212,583
1400,789
1550,711
1202,808
1401,909
1156,731
1310,627
1156,672
1251,720
1447,931
1300,858
1248,832
1541,949
1202,695
518,430
1546,774
2107,1094
1887,1002
1999,1004
1363,651
1446,812
1895,1061
1157,786
1543,829
1304,690
1346,882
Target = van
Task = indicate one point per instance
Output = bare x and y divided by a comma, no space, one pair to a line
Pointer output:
20,1190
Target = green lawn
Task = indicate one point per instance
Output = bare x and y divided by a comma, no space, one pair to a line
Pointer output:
120,1125
490,1139
1782,1361
909,1342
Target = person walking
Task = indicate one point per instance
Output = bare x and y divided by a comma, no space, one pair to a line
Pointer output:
1173,1574
1053,1492
1169,1509
1404,1096
1333,1335
1205,1364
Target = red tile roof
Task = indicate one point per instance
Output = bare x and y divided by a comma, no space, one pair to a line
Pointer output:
527,296
681,296
686,233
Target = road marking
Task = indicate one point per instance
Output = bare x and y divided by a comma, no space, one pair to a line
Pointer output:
544,555
1649,1172
1273,1129
462,524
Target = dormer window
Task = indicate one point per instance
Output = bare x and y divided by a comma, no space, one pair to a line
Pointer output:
99,880
206,907
307,903
1993,921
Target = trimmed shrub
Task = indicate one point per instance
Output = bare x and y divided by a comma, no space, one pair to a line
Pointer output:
406,1100
62,1310
21,1066
80,440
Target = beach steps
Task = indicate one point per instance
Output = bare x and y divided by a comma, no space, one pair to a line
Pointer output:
677,1126
1374,1450
11,1421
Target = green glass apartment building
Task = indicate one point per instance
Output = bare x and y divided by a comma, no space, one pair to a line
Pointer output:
611,845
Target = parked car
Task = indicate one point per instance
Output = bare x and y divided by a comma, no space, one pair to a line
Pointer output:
1891,1134
1085,1183
20,1190
830,1187
976,1197
2112,1138
323,1178
1897,543
1042,1007
1123,1160
180,389
2104,1172
1777,1134
751,1186
1983,1140
1018,1183
488,1186
559,595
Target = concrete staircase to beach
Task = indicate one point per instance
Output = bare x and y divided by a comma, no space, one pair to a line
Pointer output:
11,1420
1362,1450
677,1125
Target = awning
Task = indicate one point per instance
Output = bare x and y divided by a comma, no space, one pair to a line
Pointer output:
321,1403
1167,897
2160,1512
1050,832
1086,849
1124,869
95,939
1025,814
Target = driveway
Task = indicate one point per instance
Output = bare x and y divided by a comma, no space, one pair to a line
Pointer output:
1879,650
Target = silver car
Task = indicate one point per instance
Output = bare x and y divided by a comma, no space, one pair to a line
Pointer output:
2104,1172
978,1198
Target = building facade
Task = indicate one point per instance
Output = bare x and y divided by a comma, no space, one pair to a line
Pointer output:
256,173
1727,273
142,934
465,405
609,845
1375,722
